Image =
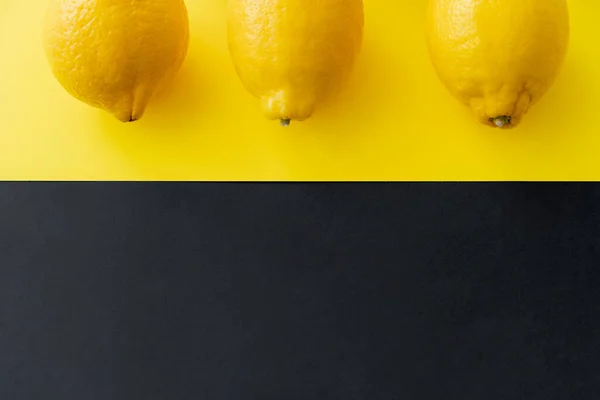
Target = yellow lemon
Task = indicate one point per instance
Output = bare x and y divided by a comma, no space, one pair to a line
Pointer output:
115,54
498,56
294,54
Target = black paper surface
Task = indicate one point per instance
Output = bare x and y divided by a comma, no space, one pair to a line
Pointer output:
176,291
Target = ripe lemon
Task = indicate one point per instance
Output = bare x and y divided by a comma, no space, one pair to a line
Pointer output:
498,56
115,54
294,54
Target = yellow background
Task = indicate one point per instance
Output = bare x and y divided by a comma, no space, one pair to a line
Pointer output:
393,122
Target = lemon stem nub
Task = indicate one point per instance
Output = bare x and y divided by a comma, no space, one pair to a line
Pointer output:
285,122
501,122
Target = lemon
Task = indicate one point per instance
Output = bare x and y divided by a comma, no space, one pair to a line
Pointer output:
498,56
115,54
294,54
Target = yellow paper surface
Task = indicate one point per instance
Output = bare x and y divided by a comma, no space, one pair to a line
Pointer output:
394,121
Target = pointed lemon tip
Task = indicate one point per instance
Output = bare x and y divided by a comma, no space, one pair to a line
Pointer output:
501,122
128,115
285,122
126,118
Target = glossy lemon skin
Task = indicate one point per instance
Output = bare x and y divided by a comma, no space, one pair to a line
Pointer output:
115,54
499,57
294,54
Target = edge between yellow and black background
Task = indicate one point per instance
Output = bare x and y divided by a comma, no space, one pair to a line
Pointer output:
299,291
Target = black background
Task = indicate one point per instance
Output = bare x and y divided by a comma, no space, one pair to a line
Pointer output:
182,291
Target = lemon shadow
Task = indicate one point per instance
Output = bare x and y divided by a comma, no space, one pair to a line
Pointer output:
182,106
168,135
173,115
370,95
555,112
